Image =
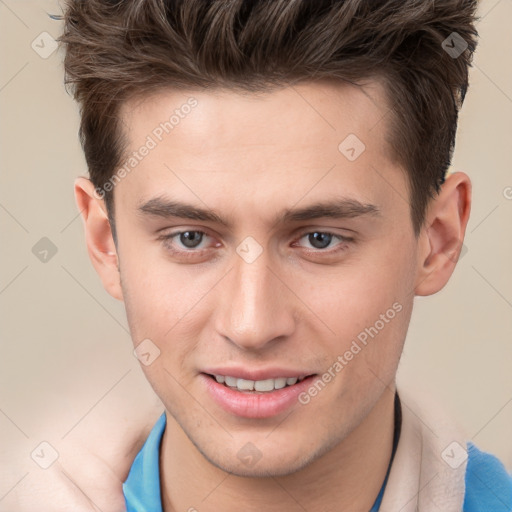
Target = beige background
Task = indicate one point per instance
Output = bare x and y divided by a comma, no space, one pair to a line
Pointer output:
66,355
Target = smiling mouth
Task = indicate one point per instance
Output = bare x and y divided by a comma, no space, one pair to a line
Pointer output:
257,386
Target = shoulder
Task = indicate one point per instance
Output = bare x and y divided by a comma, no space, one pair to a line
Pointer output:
91,464
488,484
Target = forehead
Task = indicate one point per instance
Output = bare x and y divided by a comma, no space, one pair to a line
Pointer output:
208,144
309,112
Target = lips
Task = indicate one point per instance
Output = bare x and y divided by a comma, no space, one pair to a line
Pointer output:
260,401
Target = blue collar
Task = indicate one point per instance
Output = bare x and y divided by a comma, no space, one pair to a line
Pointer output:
142,487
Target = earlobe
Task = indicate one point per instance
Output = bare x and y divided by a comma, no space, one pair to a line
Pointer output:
98,236
441,238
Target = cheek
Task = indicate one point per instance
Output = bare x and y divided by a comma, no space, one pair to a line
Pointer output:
367,308
356,295
167,303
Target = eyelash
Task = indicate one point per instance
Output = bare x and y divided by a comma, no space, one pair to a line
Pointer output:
194,252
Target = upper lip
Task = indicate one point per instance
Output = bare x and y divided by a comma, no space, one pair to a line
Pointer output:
256,374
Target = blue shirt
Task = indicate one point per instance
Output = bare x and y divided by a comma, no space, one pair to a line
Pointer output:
488,485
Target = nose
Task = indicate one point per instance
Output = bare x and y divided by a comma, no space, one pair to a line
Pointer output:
255,307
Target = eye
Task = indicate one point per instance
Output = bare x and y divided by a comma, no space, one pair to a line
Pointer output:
185,240
190,239
191,243
321,240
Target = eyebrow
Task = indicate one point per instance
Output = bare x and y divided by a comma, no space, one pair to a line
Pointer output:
342,208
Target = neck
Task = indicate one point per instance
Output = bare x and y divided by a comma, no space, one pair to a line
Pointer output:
347,477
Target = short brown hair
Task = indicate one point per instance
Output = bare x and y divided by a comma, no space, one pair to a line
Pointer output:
118,49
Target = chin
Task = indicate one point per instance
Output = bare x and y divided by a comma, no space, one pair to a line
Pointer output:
255,464
261,469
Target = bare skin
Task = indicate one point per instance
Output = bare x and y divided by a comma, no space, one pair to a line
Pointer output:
296,306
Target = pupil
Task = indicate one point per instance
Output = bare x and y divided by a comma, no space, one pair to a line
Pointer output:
320,240
189,238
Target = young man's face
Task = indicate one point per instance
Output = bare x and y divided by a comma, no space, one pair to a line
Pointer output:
260,295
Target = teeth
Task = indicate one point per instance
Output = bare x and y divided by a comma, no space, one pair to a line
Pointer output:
258,385
245,385
264,385
230,381
280,382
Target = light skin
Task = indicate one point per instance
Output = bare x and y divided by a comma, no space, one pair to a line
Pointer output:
248,158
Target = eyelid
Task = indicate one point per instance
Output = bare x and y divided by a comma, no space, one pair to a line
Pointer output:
325,231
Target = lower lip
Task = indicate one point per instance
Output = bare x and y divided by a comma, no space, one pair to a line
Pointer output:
254,405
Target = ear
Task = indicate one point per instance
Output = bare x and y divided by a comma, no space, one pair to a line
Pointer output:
442,234
98,236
